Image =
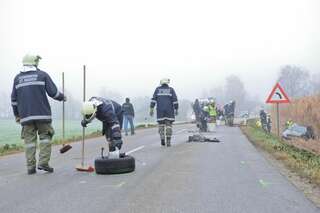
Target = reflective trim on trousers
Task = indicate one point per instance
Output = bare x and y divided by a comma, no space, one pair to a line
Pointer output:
115,126
30,145
44,141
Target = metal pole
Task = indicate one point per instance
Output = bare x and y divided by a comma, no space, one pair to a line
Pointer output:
165,134
84,99
63,111
278,120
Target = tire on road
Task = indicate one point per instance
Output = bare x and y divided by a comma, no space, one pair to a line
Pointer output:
104,165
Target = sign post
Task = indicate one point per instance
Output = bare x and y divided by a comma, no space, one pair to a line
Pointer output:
278,96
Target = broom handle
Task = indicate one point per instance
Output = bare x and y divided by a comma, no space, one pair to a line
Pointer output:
165,133
63,111
84,99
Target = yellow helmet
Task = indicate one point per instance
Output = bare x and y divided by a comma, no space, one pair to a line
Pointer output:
88,110
31,60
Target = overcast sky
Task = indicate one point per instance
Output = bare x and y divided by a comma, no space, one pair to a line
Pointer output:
129,45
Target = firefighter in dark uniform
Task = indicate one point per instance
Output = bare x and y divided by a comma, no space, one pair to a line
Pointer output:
110,114
167,108
32,110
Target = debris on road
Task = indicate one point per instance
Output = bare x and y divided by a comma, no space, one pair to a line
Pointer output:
201,138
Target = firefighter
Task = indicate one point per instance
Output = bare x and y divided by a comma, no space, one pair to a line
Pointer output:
110,114
167,108
32,110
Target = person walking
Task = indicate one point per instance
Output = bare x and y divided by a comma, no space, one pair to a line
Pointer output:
167,108
32,110
128,116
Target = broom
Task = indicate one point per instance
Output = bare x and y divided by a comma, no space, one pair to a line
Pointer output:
82,167
65,147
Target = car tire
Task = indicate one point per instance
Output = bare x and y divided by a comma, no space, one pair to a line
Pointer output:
121,165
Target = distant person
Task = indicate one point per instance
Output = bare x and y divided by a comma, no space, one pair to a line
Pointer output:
204,117
229,112
197,110
110,114
128,116
167,107
32,110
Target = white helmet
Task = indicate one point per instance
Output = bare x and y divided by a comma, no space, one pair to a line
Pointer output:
29,59
164,81
89,109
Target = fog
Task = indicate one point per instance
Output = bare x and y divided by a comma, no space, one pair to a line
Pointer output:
128,46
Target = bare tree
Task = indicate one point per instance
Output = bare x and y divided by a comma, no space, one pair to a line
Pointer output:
295,80
315,82
234,90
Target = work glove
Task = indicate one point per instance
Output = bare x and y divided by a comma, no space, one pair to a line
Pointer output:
151,112
84,123
64,98
176,112
18,119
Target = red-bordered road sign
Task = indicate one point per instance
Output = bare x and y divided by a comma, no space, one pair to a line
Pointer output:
278,95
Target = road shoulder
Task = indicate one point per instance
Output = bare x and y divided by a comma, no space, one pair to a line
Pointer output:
310,190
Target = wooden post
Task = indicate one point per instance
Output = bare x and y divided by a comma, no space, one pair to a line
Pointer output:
278,120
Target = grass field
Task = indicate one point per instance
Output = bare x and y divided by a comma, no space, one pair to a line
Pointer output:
10,131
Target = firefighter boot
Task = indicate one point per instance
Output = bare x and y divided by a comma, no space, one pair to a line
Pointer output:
163,142
168,141
32,171
46,168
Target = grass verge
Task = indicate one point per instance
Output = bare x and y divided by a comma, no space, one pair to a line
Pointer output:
8,149
300,161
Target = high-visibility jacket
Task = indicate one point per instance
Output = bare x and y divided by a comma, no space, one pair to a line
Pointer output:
212,111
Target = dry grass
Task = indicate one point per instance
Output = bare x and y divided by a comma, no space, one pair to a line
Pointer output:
304,111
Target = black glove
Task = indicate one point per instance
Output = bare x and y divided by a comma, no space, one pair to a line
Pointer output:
84,123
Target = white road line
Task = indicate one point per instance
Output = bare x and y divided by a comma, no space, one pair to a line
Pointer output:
134,150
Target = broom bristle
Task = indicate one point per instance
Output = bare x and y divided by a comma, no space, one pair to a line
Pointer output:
85,169
65,148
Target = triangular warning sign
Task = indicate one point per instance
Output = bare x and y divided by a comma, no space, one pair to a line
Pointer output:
277,95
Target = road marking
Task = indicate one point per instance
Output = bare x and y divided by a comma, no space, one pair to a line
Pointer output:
263,183
119,185
134,150
83,181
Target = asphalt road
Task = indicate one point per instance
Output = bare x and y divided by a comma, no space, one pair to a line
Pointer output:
231,176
